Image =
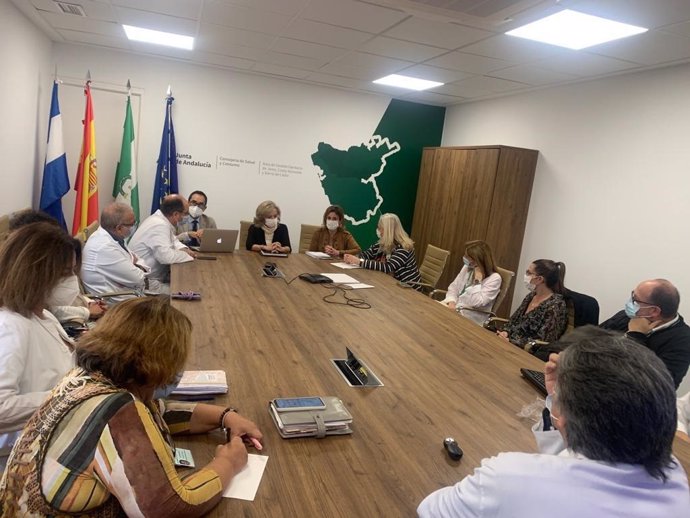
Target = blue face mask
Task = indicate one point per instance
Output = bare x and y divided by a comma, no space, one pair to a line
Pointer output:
631,308
165,391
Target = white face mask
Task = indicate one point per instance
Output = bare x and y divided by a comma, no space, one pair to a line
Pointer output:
195,211
332,224
131,232
271,222
528,283
378,233
65,292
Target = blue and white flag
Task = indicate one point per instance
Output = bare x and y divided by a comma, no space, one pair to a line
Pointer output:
55,179
166,172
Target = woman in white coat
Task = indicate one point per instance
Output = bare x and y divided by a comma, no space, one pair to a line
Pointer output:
473,292
35,352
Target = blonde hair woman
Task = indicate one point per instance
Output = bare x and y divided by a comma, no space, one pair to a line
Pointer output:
393,253
100,443
267,233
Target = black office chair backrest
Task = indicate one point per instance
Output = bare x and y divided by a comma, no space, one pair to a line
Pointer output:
585,309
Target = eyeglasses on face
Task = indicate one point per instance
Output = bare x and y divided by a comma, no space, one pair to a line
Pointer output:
635,299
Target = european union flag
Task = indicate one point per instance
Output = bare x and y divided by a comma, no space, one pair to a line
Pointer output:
55,182
166,172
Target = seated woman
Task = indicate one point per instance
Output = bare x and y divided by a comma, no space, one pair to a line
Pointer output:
542,315
473,292
332,238
267,233
68,303
393,253
35,352
100,444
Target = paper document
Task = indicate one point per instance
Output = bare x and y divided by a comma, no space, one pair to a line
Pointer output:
202,382
245,484
346,266
318,255
340,278
359,285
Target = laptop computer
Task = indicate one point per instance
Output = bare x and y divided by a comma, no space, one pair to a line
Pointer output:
218,240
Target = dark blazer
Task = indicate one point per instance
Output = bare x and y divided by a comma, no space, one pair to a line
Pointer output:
671,345
256,236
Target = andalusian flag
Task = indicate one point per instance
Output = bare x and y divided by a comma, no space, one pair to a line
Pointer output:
55,179
86,184
166,172
126,188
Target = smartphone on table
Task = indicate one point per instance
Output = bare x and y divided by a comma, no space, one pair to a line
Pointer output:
294,404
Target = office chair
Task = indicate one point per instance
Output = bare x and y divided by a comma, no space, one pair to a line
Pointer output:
244,230
431,269
88,231
306,233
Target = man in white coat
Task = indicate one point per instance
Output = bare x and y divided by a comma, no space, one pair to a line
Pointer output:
156,245
612,402
107,264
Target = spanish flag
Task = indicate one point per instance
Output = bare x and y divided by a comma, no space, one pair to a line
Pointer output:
86,184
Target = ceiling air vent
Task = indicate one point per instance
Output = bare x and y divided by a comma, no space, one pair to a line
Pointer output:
74,9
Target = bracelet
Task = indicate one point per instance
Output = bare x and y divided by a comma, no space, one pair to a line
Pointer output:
221,425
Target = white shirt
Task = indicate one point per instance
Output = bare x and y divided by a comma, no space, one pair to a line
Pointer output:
567,485
34,357
156,245
683,404
468,294
107,267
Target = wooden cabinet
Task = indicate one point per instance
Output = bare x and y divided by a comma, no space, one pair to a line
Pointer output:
467,193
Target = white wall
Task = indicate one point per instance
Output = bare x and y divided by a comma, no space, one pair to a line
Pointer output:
25,61
216,113
610,196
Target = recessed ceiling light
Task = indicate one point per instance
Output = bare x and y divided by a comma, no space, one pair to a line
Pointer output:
159,37
575,30
411,83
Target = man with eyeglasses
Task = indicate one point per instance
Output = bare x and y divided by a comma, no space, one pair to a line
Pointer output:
651,318
191,228
605,443
107,263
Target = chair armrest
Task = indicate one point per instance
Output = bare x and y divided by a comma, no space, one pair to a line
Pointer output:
411,284
436,293
111,294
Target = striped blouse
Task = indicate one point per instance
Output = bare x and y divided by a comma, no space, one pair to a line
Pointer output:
113,445
401,263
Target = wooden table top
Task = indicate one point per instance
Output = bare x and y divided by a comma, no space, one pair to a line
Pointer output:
443,375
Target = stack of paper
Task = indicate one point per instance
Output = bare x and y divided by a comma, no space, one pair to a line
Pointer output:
195,383
346,266
318,255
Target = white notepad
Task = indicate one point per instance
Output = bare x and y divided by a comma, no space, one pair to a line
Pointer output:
346,266
319,255
245,484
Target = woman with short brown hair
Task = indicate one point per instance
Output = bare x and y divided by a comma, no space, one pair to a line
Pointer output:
100,445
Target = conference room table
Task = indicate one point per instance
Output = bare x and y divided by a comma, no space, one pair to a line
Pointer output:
443,376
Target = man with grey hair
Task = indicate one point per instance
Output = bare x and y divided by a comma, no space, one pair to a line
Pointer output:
612,403
651,318
155,242
107,264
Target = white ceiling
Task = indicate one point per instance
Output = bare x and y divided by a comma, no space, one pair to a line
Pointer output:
348,43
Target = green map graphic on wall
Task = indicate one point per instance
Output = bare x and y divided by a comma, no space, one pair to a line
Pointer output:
381,174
